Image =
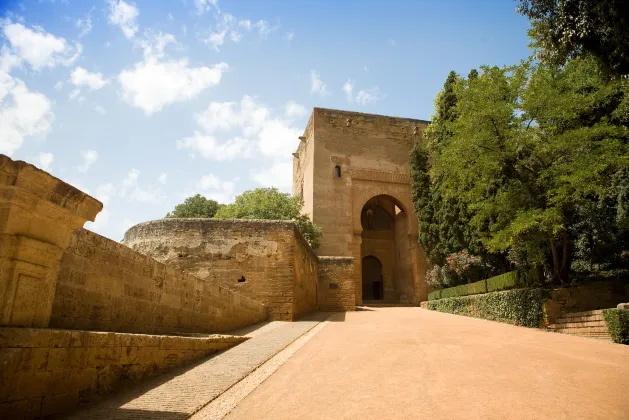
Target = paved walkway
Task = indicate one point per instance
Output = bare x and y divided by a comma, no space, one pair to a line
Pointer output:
411,363
182,392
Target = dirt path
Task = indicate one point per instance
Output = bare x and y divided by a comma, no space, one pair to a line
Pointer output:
410,363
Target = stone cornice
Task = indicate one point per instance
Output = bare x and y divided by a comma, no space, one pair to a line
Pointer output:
380,176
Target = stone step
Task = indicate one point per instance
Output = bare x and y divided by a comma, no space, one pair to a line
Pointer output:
598,312
580,319
582,330
383,304
576,324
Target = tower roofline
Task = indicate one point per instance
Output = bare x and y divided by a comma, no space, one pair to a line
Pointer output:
364,114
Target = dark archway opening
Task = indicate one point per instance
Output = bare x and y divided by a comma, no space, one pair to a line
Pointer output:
373,285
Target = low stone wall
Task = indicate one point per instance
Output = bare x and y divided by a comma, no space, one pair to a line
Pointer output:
588,297
337,291
267,260
47,372
103,285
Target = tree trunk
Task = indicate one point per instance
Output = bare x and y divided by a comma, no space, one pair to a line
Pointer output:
563,271
553,249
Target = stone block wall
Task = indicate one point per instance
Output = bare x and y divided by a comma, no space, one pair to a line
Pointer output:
266,260
47,372
106,286
336,284
598,295
305,281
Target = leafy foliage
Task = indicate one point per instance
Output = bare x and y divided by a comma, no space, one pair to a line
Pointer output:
271,204
564,29
617,324
519,307
196,206
529,148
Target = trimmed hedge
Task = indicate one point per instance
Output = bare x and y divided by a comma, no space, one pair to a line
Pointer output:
617,323
519,306
434,295
493,284
503,282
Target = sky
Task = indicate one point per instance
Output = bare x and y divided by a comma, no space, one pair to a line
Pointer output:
144,103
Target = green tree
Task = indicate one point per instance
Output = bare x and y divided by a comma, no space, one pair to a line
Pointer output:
271,204
530,147
443,223
195,206
564,29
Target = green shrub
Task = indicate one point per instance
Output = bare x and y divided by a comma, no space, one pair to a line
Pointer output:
502,282
519,307
434,295
617,323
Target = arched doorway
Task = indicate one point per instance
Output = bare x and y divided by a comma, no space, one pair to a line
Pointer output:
385,240
372,279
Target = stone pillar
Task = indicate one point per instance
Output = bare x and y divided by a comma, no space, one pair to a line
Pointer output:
38,214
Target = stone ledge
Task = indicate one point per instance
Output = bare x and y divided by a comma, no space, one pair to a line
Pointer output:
336,260
24,176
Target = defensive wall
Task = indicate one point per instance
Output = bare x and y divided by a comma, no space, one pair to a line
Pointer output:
268,260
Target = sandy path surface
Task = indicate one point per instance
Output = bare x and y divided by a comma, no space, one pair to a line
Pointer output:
411,363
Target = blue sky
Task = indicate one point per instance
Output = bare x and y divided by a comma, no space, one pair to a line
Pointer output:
143,103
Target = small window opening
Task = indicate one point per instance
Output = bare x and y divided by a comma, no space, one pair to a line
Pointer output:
242,279
337,171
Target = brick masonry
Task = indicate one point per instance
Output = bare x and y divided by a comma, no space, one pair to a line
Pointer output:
106,286
267,260
336,284
47,372
372,152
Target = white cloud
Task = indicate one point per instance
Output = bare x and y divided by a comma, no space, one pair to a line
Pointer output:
216,39
347,88
246,24
58,86
39,48
209,148
155,44
293,110
317,85
263,28
124,15
204,6
213,188
44,160
162,178
150,85
22,114
290,35
134,192
365,97
279,175
89,157
104,192
248,128
81,77
100,110
84,25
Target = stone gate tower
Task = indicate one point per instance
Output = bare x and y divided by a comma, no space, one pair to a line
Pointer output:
352,170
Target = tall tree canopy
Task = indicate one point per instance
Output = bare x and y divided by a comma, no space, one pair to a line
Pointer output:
195,206
564,29
271,204
531,148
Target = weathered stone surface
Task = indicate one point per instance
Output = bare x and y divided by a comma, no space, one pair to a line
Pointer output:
623,306
371,153
38,214
47,372
267,260
104,285
336,284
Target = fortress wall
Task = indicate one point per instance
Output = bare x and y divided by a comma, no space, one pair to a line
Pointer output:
103,285
266,260
305,281
336,284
